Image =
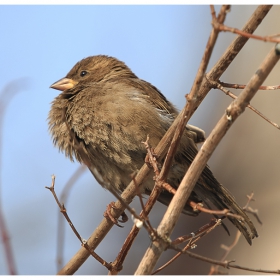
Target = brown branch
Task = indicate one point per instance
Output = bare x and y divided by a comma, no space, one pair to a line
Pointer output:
230,94
191,106
250,210
221,27
193,238
235,109
226,264
6,95
225,212
214,269
137,219
151,161
200,207
200,232
153,253
104,227
60,229
117,264
83,241
238,86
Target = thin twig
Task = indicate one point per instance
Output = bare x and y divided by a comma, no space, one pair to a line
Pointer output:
214,269
193,238
6,95
238,86
227,264
250,210
200,207
222,27
230,94
225,212
197,233
60,228
83,241
228,249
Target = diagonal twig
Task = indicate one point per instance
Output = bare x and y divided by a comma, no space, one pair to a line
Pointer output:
60,228
82,240
230,94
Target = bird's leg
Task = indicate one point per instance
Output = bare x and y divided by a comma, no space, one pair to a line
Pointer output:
107,214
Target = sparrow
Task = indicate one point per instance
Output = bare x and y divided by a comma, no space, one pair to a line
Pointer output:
102,117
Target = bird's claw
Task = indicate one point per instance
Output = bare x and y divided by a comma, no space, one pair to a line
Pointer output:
107,214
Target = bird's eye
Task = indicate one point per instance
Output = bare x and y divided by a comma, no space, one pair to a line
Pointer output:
83,73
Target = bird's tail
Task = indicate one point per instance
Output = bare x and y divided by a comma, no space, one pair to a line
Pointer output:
212,191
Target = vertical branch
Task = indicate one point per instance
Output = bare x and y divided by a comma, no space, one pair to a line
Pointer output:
193,94
6,95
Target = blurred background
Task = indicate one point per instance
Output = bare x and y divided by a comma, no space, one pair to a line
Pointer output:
163,45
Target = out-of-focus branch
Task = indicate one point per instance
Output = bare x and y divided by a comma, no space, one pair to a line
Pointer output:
6,95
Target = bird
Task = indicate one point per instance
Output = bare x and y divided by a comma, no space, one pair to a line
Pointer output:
103,115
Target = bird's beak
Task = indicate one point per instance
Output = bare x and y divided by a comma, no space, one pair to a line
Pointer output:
63,84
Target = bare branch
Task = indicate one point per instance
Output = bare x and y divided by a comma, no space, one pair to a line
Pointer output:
83,241
186,186
238,86
230,94
6,95
250,210
60,229
228,264
193,238
225,28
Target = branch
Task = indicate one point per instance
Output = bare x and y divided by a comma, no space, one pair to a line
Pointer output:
193,238
230,94
83,241
238,86
186,186
6,95
228,264
60,228
225,28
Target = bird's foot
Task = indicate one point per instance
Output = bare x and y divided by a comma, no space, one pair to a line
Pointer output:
107,214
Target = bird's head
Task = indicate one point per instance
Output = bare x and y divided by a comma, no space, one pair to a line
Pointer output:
93,69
